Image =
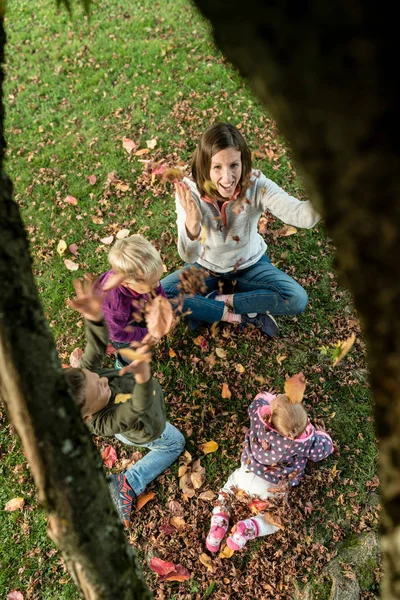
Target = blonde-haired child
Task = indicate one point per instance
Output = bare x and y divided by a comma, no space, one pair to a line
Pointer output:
277,445
134,279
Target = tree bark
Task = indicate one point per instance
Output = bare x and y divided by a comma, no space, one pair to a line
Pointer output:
324,69
64,462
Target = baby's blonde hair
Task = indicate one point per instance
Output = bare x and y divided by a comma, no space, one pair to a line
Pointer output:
288,419
136,258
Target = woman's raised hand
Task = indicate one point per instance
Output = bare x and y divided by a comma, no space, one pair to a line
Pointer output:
192,210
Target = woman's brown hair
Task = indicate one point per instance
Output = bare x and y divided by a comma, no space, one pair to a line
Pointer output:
217,137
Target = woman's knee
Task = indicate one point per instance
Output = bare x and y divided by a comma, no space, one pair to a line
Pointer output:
298,301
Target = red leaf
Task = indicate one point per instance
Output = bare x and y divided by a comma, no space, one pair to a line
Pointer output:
180,574
202,342
92,179
109,456
257,506
161,567
71,200
73,248
159,170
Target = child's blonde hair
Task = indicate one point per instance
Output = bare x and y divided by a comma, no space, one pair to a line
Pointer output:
136,258
287,418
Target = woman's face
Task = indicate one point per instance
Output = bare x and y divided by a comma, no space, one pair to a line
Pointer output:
226,171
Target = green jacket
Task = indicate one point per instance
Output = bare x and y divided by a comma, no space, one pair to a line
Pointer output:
141,418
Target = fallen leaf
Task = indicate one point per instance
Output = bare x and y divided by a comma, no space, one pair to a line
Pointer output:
128,145
207,495
239,368
107,240
206,561
280,358
144,499
14,504
174,506
286,231
159,170
151,144
168,571
182,470
71,265
142,151
15,595
294,388
226,392
75,357
273,520
197,480
61,247
202,342
109,456
257,506
123,233
220,352
97,220
71,200
159,317
178,522
344,348
73,248
172,175
226,552
171,353
209,447
92,179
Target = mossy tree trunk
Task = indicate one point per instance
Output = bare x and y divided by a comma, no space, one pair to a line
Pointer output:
64,462
326,70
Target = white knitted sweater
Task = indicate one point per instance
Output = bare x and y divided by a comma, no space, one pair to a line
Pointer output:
231,238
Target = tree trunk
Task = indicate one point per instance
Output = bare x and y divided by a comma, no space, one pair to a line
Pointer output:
324,69
64,462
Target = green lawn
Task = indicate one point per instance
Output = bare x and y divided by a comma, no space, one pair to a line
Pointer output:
149,71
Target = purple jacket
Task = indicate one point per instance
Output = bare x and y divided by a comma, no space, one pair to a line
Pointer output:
274,457
119,305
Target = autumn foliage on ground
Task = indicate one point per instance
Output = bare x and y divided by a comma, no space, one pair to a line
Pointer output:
96,115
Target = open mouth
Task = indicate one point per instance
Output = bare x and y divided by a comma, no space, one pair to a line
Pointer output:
227,189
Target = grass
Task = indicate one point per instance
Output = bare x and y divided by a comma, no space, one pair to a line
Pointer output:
145,71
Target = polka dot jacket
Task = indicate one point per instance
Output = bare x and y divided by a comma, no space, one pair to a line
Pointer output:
276,458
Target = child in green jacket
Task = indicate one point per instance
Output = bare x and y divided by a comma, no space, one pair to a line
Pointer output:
112,403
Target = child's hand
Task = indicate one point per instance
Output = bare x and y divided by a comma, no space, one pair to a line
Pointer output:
87,302
140,367
193,212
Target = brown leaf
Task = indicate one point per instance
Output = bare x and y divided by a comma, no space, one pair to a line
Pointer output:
286,231
280,358
226,392
71,265
178,522
273,520
128,145
197,480
294,388
98,220
182,470
240,368
207,495
209,447
344,348
14,504
257,506
206,561
73,248
144,499
159,317
202,342
92,179
142,151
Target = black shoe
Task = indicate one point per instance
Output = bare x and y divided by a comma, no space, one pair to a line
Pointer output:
123,496
265,323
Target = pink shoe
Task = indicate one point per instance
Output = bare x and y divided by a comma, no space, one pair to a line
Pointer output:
242,533
219,527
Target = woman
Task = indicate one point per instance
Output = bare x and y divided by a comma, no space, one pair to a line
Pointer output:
218,214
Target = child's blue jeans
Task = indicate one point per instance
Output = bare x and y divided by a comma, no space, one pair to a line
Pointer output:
163,452
261,288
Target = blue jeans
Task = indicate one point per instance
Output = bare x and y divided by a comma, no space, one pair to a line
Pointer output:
261,288
163,452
